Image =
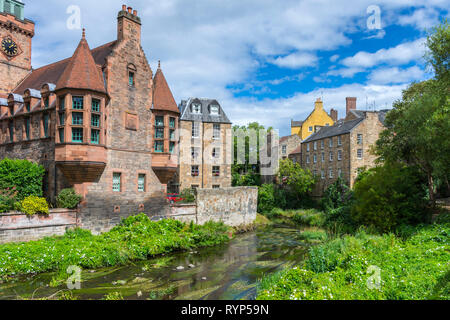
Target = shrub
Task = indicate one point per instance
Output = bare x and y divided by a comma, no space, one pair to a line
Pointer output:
389,196
188,195
32,205
7,199
24,175
68,198
266,198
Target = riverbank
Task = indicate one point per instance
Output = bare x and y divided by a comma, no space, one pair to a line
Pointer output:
136,238
411,265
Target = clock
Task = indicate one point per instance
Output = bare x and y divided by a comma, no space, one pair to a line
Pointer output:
9,47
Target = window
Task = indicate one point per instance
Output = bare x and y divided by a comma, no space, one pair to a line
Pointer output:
315,173
216,153
77,118
307,159
315,158
11,131
339,141
172,134
159,133
215,171
95,136
194,171
196,108
284,149
61,135
359,139
159,121
216,131
46,125
339,155
172,122
194,186
327,125
216,186
95,120
340,173
195,129
62,118
159,146
315,145
171,147
46,103
117,185
194,153
214,110
62,103
360,153
322,174
322,144
141,183
95,105
27,128
77,134
323,156
131,79
310,129
77,103
331,156
331,173
307,147
331,143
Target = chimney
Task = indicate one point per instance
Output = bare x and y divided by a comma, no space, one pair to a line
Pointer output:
351,104
334,115
319,104
128,25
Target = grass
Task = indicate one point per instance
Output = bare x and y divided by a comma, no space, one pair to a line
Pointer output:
136,238
416,266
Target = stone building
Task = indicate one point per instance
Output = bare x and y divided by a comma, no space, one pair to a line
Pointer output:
316,119
97,121
343,149
205,145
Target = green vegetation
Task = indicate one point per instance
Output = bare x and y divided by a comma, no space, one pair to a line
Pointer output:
136,238
18,180
33,205
68,198
347,268
188,195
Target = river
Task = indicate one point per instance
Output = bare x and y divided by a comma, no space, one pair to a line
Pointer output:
229,271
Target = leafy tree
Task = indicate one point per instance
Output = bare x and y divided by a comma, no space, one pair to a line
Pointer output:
438,57
299,181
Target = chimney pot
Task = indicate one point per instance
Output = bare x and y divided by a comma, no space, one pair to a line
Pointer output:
129,9
135,12
124,7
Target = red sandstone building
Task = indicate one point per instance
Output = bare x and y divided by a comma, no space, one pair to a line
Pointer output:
98,121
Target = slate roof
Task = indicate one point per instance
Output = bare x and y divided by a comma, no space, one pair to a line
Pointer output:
336,130
162,96
81,71
3,102
205,116
52,72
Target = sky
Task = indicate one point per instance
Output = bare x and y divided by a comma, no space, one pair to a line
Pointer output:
263,60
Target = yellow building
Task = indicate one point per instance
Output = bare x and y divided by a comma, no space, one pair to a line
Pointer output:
318,118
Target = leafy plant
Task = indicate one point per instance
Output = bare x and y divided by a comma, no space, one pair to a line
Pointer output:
68,198
32,205
188,195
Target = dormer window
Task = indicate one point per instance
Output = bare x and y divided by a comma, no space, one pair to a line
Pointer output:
196,108
214,110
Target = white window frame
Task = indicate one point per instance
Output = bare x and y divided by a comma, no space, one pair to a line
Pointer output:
215,108
216,131
141,184
331,173
359,139
315,145
322,174
339,155
330,143
195,129
117,182
358,156
307,159
307,147
315,158
331,156
339,140
323,156
196,108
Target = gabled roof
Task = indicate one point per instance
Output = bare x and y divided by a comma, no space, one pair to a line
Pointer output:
52,72
205,116
336,130
162,96
81,71
297,150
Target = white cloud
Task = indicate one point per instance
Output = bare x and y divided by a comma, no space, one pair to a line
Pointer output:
423,18
396,75
296,60
400,54
334,58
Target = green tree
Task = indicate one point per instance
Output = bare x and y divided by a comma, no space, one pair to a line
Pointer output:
438,56
299,181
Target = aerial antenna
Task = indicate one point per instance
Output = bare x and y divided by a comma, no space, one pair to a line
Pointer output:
366,102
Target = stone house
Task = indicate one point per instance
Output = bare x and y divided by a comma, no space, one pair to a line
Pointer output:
98,121
343,149
205,145
316,119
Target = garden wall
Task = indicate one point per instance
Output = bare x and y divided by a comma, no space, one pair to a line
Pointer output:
17,226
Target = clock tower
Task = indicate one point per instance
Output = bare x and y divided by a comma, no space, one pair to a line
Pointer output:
16,33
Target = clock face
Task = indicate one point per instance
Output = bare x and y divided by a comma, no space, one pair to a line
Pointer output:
9,47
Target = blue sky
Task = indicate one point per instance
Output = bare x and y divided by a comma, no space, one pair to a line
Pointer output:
264,60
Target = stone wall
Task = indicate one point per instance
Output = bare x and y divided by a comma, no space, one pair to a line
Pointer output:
16,226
